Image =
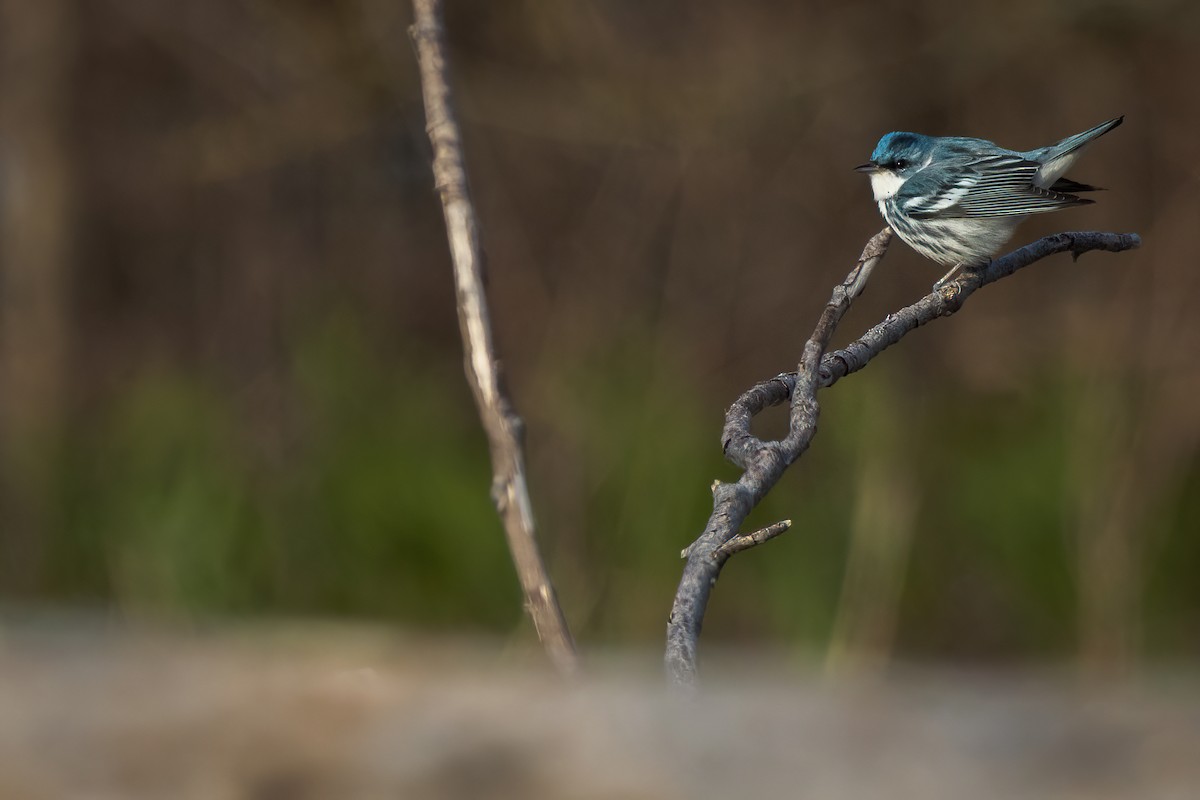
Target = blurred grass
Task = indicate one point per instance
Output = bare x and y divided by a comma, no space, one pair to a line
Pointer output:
381,509
166,512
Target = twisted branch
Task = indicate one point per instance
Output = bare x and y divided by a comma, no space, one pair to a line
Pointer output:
763,463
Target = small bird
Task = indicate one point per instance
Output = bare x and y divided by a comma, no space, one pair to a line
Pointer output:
956,200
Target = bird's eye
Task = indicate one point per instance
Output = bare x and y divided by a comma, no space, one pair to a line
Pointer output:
901,163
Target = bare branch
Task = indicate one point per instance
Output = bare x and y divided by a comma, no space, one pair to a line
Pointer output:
747,540
854,356
764,462
739,444
504,428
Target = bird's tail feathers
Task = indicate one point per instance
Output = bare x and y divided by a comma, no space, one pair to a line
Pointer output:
1068,186
1058,158
1073,143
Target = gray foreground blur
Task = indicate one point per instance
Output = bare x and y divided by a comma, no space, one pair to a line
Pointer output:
348,715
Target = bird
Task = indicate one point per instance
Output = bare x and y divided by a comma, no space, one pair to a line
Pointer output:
957,200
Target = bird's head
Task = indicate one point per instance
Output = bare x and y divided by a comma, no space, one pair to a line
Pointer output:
897,156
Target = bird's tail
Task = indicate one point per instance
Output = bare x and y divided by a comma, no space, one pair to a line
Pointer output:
1072,143
1068,186
1058,158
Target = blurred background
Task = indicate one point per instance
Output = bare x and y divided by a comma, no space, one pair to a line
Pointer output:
230,370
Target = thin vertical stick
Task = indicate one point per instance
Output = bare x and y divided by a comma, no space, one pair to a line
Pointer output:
504,427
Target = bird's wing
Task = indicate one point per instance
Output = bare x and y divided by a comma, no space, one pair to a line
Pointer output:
999,185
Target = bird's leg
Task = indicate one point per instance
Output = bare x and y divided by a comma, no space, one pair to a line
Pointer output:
955,271
959,269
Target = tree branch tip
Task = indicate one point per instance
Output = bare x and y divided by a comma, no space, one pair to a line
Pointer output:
772,530
747,540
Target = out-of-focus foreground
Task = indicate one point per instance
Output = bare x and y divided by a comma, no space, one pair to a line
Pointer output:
358,716
230,373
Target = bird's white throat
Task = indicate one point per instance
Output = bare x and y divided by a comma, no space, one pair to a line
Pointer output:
885,184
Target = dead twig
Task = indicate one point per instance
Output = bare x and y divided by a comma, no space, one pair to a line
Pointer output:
747,540
501,422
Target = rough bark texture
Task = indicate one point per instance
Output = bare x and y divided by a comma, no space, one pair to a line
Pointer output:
764,462
501,422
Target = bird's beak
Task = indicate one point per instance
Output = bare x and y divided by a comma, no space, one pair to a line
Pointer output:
870,166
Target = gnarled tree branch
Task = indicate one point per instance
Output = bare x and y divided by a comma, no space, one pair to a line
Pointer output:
764,462
504,428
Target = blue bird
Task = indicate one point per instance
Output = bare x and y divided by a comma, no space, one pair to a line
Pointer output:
957,200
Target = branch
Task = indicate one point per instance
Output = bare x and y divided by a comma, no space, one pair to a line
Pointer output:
854,356
747,540
763,463
503,426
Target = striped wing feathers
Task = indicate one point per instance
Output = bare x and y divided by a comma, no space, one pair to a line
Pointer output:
994,186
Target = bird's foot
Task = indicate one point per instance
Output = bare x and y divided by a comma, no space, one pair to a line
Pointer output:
952,275
959,272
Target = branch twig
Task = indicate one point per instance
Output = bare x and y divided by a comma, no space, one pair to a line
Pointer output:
504,427
747,540
763,463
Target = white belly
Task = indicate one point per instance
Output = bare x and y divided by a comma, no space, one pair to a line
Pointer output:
951,241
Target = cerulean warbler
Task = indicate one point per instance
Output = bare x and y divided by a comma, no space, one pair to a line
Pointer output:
956,200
